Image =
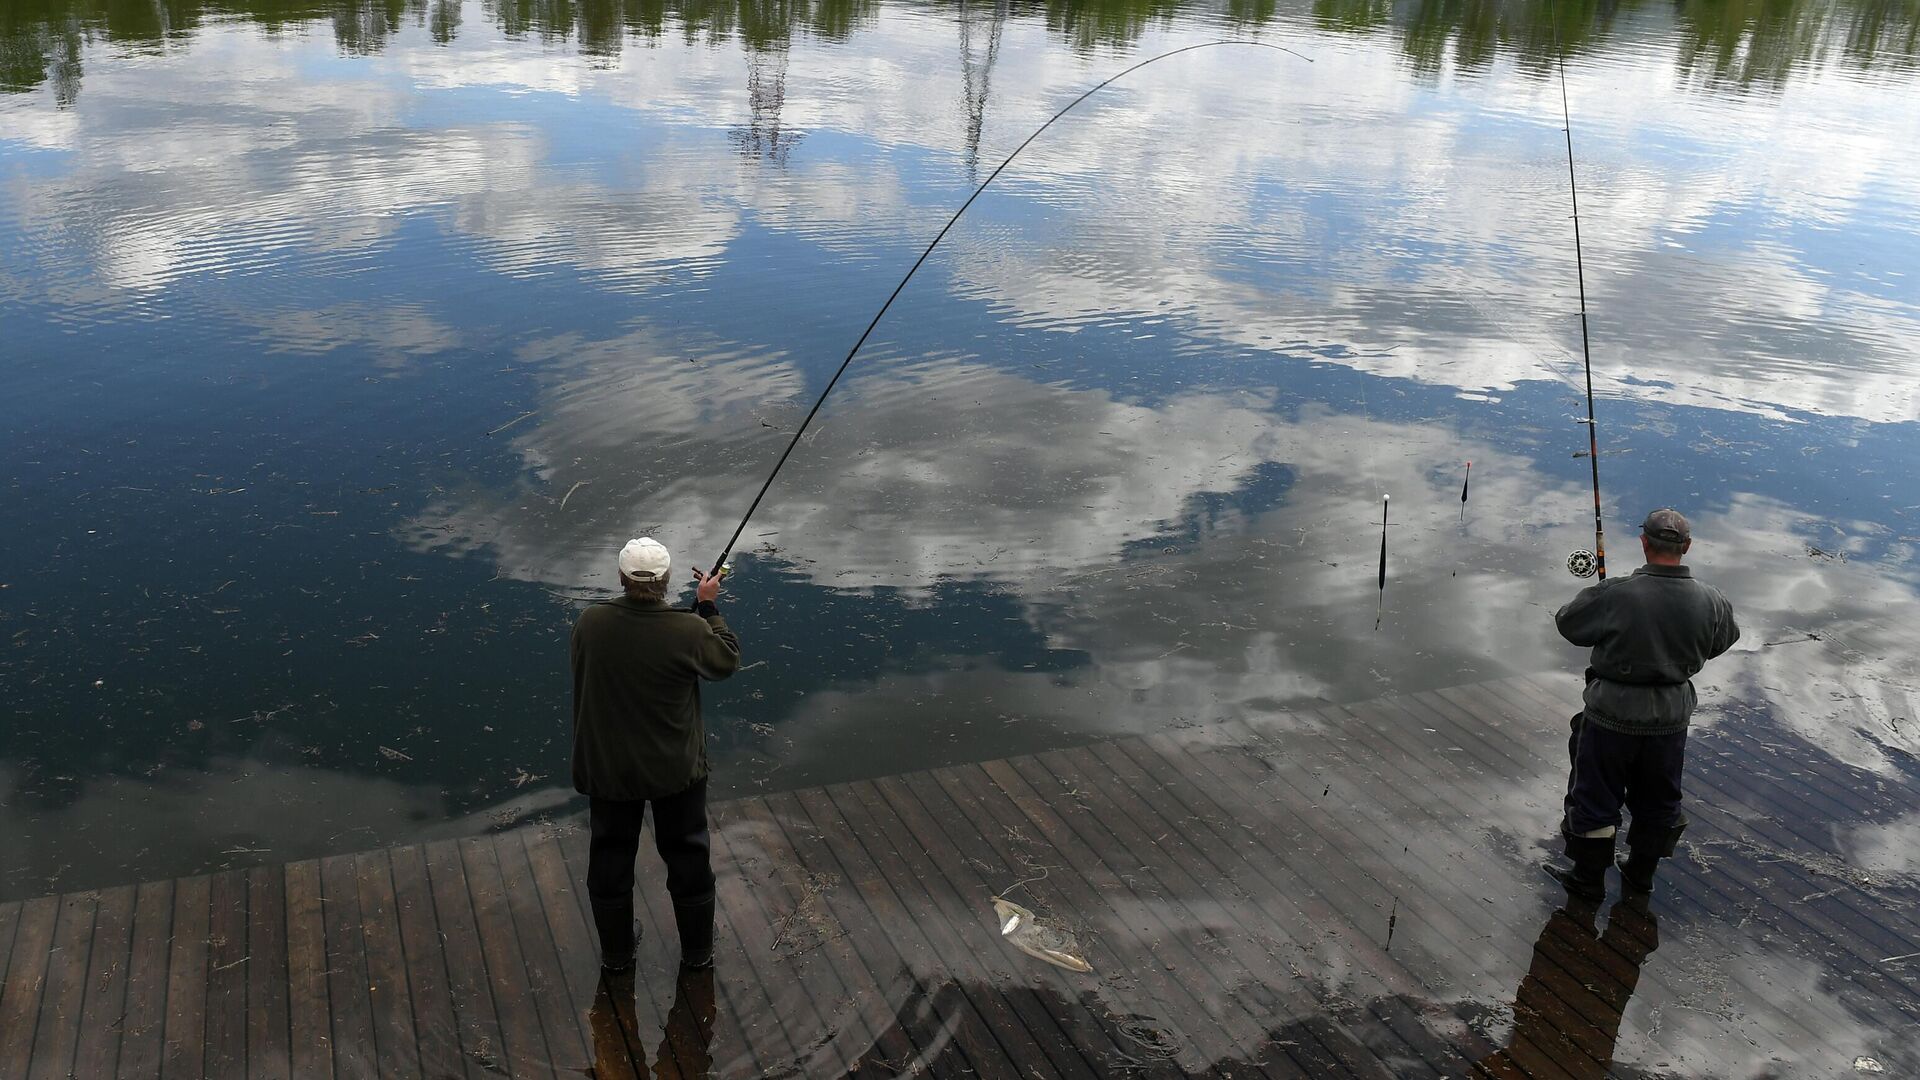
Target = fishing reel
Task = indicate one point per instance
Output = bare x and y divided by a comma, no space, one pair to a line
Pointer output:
1582,564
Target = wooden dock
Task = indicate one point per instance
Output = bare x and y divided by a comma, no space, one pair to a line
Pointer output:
1341,892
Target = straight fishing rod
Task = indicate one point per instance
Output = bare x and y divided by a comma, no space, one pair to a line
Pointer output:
720,564
1598,561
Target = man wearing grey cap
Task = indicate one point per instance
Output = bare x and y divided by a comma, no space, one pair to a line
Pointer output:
1651,632
638,739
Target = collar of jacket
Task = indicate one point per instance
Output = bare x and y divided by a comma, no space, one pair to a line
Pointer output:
629,602
1653,570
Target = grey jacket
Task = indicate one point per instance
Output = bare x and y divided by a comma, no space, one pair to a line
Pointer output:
1651,632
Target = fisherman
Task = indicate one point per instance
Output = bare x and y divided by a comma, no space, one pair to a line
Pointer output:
638,739
1651,632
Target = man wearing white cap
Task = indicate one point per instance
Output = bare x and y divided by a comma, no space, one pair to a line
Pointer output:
638,739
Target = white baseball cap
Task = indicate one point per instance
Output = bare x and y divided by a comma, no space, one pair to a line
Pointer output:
645,559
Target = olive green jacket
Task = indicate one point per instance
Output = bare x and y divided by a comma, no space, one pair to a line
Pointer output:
637,666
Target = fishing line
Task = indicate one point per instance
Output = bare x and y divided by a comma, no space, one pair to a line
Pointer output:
1574,563
720,563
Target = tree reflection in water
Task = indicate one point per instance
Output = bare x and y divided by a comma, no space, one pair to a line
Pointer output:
1734,43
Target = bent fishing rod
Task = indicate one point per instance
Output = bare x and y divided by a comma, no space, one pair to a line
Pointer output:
720,564
1580,563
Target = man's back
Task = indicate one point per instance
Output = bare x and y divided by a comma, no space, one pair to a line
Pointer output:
1651,632
637,666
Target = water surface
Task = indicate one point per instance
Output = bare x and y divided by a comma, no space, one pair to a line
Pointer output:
345,343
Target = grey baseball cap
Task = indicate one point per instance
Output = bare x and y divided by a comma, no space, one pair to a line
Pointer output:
1668,525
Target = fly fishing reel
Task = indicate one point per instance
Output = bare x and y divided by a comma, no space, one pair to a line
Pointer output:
1581,564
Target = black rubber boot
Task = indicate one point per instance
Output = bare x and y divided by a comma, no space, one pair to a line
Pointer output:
619,936
695,922
1591,856
1645,849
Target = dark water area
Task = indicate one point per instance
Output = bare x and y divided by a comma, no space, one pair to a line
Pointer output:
344,343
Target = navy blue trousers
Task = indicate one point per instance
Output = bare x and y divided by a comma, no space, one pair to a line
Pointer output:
679,835
1612,769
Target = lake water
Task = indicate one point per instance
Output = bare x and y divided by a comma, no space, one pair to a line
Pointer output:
344,343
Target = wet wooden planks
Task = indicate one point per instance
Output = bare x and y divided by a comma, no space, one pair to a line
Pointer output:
1214,876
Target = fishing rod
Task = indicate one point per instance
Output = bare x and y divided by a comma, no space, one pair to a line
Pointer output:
720,564
1581,563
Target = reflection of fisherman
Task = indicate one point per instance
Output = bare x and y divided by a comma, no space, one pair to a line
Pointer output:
638,739
1650,633
1566,1014
686,1046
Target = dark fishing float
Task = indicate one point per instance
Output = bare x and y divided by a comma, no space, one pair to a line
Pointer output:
1581,563
1380,603
720,564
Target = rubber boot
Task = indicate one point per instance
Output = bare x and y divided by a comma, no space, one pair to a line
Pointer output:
1644,852
1591,856
695,922
619,936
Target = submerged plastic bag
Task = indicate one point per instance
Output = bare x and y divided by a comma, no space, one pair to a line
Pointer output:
1042,942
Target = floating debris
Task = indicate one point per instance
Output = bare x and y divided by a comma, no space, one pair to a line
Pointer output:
1042,942
394,755
1868,1065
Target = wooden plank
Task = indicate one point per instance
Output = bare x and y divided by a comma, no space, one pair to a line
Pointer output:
355,1053
434,1028
185,1050
1789,1022
143,1030
560,1019
1410,800
267,1025
389,996
1300,841
1056,1014
20,995
309,1005
747,1022
920,940
1460,716
567,912
227,960
993,832
1565,980
786,1026
481,1047
1256,908
810,900
647,1009
1327,935
9,923
58,1036
1864,927
1096,819
1856,932
524,1042
1864,987
103,1013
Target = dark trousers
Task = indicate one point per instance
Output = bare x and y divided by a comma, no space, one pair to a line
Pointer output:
679,835
1612,769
